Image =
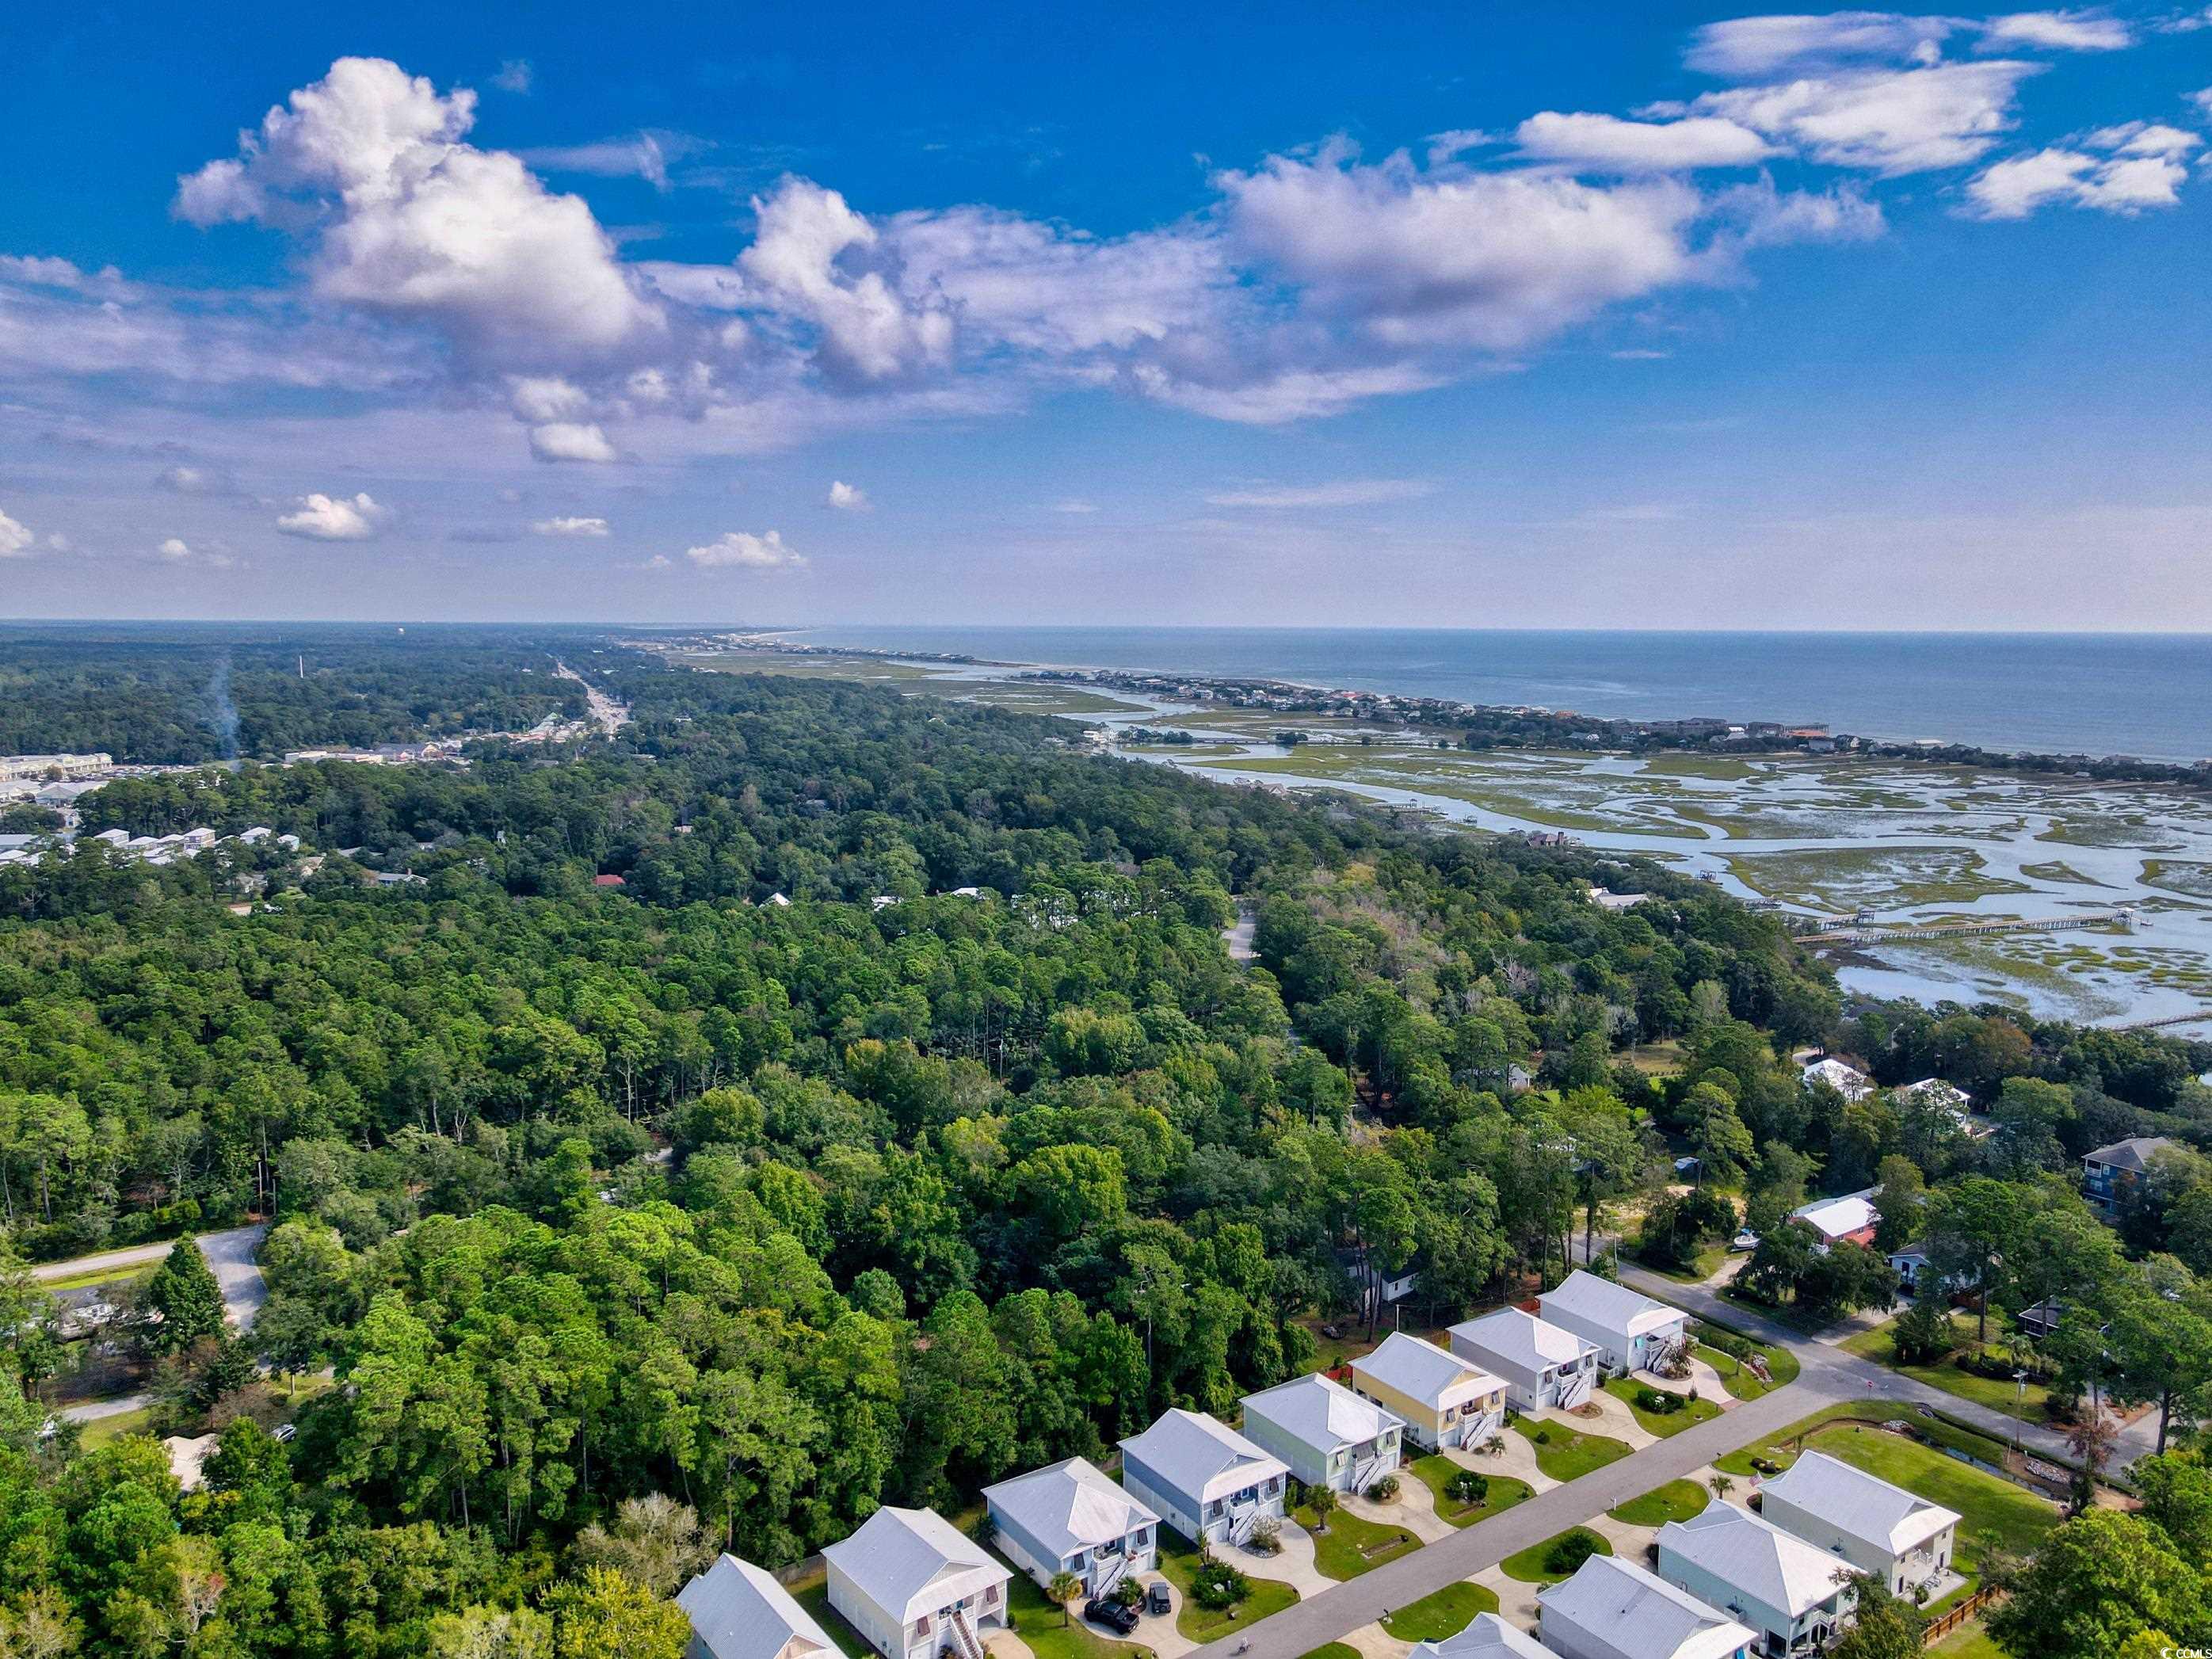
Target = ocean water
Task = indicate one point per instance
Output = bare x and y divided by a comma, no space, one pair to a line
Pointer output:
2149,695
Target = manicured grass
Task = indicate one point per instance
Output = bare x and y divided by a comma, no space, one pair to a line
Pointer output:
1678,1500
1662,1424
1566,1453
1038,1623
1741,1381
1441,1613
813,1595
1703,1266
1179,1565
1353,1545
1333,1651
100,1276
1969,1641
1437,1470
1998,1394
1527,1566
1992,1511
106,1430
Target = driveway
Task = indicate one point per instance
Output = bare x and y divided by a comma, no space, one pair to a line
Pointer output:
230,1254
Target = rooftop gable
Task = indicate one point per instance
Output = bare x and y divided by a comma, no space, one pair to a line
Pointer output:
1860,1505
1195,1453
1419,1370
1322,1413
902,1559
1602,1303
1069,1506
1639,1613
738,1611
1773,1567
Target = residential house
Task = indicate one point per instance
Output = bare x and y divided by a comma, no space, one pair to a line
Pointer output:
1486,1637
2038,1320
1846,1080
1849,1219
1910,1262
1543,1364
1202,1477
1613,1608
914,1587
1633,1332
2108,1172
1791,1592
738,1611
1885,1531
1069,1518
1444,1401
1328,1435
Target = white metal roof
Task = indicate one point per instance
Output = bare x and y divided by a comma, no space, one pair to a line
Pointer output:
910,1562
1488,1637
1860,1505
1846,1080
1522,1340
1613,1307
1199,1455
1419,1370
1069,1506
1640,1615
1322,1413
1773,1567
1834,1217
738,1610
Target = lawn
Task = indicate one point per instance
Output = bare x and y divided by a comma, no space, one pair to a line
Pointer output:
1678,1500
1527,1566
1969,1641
813,1595
1662,1424
1702,1267
1441,1613
1353,1545
1998,1394
1566,1454
93,1276
1437,1470
1781,1364
106,1430
1333,1651
1037,1622
1179,1565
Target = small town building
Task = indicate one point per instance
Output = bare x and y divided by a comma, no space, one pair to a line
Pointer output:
1910,1263
1543,1364
1789,1591
1203,1478
2108,1172
1328,1435
1070,1517
914,1587
1849,1219
738,1611
1846,1080
1885,1531
1633,1332
1486,1637
1445,1400
1615,1609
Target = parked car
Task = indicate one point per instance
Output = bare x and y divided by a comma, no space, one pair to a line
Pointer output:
1156,1598
1101,1611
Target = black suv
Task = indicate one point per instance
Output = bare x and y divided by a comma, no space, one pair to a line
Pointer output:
1102,1611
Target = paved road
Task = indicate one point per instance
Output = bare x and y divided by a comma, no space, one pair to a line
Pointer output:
92,1410
230,1254
1329,1618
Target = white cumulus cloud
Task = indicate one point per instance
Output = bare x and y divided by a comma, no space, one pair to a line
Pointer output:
1608,144
570,440
572,526
847,498
1884,121
2136,167
2057,31
17,540
743,551
334,518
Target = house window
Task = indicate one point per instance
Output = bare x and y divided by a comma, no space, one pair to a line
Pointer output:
991,1595
921,1626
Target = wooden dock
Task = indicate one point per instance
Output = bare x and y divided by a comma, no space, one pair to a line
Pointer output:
1869,933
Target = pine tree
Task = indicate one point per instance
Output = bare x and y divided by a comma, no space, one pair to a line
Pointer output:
184,1290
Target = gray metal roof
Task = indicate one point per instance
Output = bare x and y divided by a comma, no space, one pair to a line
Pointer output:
1069,1506
1864,1506
1774,1568
1419,1370
1523,1341
1610,1306
1639,1613
1321,1413
910,1561
738,1611
1199,1455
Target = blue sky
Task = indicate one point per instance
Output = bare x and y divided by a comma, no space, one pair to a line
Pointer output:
1559,316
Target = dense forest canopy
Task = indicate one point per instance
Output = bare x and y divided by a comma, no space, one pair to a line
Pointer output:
782,1179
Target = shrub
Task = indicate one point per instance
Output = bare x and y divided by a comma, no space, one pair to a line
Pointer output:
1217,1585
1467,1487
1267,1536
1384,1491
1566,1557
1657,1402
1543,1437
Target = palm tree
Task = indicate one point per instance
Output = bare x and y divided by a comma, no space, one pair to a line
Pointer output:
1064,1588
1721,1485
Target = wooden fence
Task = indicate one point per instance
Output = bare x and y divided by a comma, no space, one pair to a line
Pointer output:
1948,1620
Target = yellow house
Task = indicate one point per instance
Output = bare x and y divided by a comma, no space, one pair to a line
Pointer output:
1444,1401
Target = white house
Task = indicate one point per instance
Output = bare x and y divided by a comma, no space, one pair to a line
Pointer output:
1614,1609
1633,1332
738,1611
1328,1435
1848,1081
1444,1401
1849,1219
914,1587
1203,1478
1885,1531
1792,1593
1486,1637
1069,1518
1543,1364
1909,1262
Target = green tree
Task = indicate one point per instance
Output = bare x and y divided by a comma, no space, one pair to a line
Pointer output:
1883,1627
2095,1582
183,1291
604,1614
